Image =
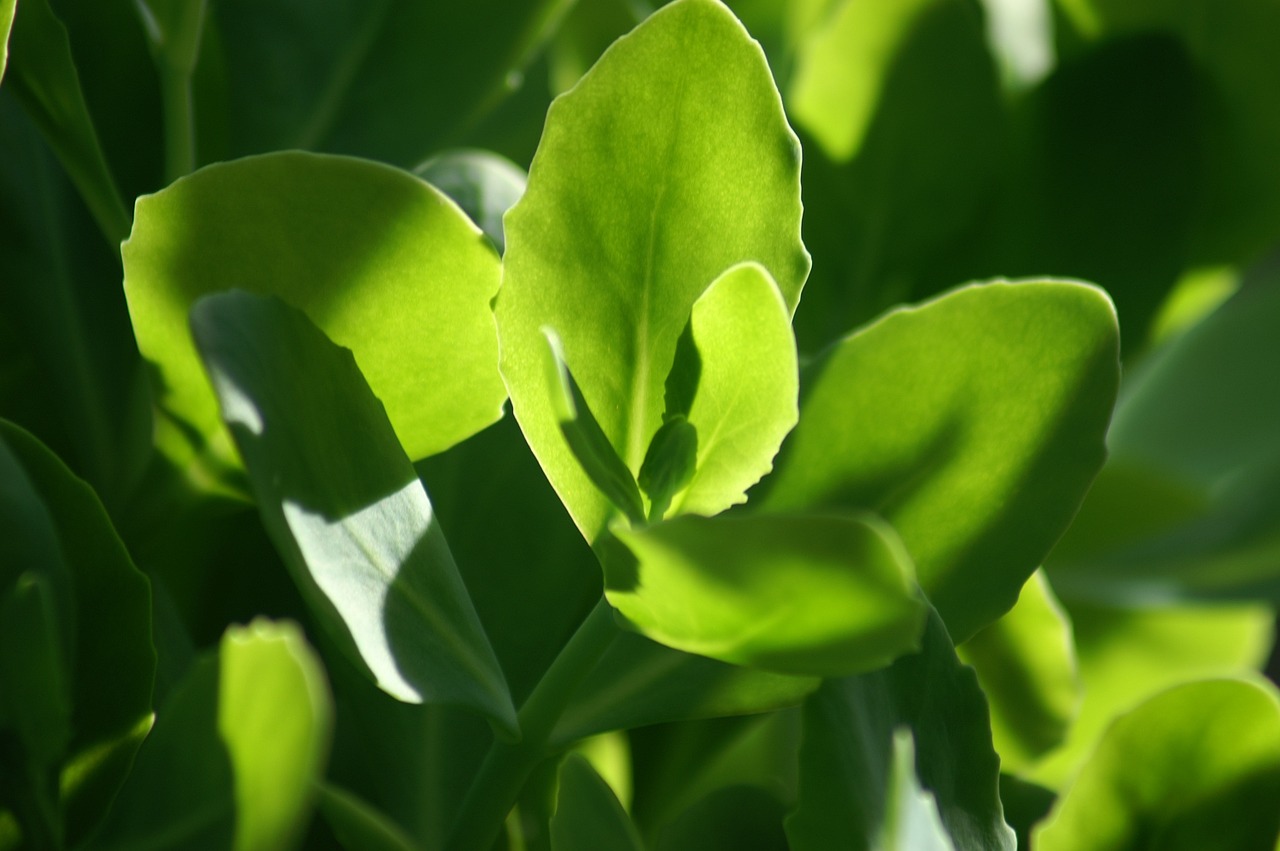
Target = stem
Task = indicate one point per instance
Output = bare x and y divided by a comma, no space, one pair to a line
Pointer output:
507,765
179,124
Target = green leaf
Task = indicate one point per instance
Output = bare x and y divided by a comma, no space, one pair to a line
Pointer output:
669,464
588,815
973,423
639,683
35,700
357,825
378,259
42,73
847,758
344,506
911,819
668,163
1026,665
745,399
7,8
236,753
173,28
483,184
734,589
1126,656
1197,766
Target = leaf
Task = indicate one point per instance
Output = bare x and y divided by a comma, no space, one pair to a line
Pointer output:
1128,655
745,398
973,423
7,8
357,825
382,263
34,672
911,820
42,73
1026,665
236,752
639,682
483,184
344,506
817,595
668,163
1197,766
588,815
847,763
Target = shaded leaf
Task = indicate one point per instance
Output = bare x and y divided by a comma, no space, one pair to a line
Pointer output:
847,759
358,826
588,815
911,819
344,506
483,184
377,258
35,700
1197,766
818,595
973,423
668,163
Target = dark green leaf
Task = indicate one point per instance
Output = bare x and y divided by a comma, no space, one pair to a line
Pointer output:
669,464
358,826
588,816
1195,767
483,184
819,595
35,700
973,423
344,506
668,163
847,780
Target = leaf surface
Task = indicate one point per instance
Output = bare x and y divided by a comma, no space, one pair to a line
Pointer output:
344,506
382,262
358,825
588,815
668,163
973,423
483,184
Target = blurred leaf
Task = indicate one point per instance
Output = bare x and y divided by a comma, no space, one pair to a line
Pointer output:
1020,33
639,682
379,260
588,815
6,22
1195,767
483,184
668,163
1126,656
36,698
344,506
395,80
358,826
973,423
43,76
236,752
1026,665
732,588
585,33
174,28
732,818
848,782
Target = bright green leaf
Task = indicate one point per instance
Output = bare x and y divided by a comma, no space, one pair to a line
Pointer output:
745,398
1026,664
820,595
588,815
344,506
668,163
847,758
483,184
1195,767
378,259
357,825
7,9
42,73
973,423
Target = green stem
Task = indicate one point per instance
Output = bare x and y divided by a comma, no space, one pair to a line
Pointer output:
507,765
179,124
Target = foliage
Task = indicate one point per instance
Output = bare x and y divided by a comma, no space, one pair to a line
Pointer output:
539,425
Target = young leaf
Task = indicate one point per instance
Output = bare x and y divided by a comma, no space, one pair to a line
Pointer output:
344,506
668,163
588,815
381,261
669,464
973,423
818,595
846,760
1197,766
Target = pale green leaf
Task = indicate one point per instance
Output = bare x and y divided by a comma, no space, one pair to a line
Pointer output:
588,815
847,776
911,820
668,163
1026,665
483,184
973,423
382,262
819,595
1197,766
344,506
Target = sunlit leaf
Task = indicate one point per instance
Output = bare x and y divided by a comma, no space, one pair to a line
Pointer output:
818,595
344,506
7,8
1197,766
973,423
668,163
